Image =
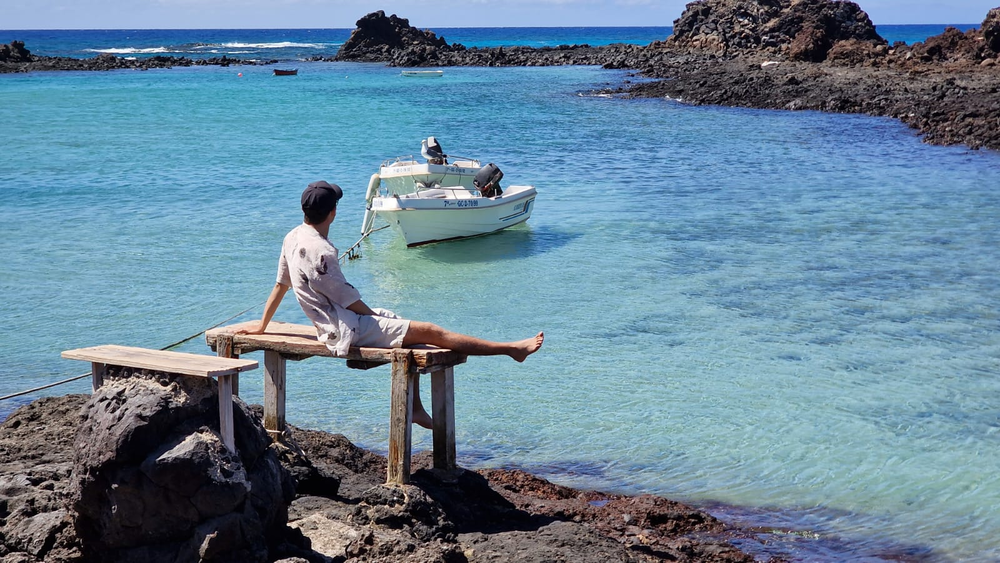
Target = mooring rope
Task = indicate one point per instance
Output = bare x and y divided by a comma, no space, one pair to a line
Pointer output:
347,253
168,347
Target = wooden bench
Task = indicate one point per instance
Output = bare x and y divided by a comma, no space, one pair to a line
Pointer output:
284,341
177,363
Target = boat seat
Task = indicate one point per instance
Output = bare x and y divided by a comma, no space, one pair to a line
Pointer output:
432,194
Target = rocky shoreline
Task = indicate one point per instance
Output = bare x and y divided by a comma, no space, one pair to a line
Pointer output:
136,472
15,57
823,55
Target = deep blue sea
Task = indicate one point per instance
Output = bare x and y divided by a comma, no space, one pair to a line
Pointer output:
789,318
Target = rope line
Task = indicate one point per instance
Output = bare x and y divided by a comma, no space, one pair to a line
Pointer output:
168,347
349,253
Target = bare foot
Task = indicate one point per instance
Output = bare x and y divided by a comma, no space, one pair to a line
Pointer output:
526,347
421,418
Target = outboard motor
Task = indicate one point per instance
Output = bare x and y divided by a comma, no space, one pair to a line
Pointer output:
432,151
487,180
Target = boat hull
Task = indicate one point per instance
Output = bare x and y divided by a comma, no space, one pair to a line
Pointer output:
423,220
423,73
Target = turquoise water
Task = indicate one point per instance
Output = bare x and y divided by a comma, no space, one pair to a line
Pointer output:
790,318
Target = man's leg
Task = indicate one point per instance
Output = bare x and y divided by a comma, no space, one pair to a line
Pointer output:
420,416
428,333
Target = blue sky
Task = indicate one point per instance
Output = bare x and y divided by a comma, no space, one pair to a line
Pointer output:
193,14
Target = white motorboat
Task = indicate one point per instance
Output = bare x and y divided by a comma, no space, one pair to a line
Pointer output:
436,200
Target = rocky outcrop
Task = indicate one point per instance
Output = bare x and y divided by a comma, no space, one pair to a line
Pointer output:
14,53
152,480
991,30
36,465
490,515
391,40
378,37
803,30
137,473
16,58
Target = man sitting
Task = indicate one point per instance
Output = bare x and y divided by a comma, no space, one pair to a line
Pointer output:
309,264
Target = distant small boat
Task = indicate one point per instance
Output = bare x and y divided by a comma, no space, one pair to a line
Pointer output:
423,73
286,71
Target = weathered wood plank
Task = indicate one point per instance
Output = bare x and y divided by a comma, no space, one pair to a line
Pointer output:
224,349
274,392
161,360
300,340
226,427
443,414
401,416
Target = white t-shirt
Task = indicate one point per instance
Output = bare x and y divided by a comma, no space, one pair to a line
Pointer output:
310,265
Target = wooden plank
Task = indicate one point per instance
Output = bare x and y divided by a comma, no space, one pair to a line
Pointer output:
224,349
300,340
274,392
401,416
443,413
226,411
161,360
97,373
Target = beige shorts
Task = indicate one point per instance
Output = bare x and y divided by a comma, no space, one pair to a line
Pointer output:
380,332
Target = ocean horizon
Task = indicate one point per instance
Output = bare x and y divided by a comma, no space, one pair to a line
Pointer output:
789,319
302,43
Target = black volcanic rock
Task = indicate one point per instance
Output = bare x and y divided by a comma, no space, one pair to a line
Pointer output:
378,37
16,58
14,53
799,29
991,30
152,480
137,473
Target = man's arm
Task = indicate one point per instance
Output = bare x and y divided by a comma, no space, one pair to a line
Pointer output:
277,294
360,308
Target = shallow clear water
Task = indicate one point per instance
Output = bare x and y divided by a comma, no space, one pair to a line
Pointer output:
788,317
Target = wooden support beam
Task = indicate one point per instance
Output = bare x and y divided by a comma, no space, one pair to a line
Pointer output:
443,413
404,369
226,428
274,393
97,373
224,349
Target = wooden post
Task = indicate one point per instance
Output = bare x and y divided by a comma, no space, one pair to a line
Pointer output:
274,393
443,413
401,416
97,373
226,411
224,349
